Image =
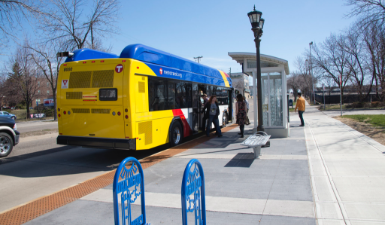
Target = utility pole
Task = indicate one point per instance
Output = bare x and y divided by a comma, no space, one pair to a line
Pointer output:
198,58
311,73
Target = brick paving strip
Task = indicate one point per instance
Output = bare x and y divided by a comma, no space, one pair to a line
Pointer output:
43,205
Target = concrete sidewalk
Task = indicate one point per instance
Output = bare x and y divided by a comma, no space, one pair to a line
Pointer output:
347,172
324,173
275,189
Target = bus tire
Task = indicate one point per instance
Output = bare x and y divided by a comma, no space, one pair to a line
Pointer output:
176,134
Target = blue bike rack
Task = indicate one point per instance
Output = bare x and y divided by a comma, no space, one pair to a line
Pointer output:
126,183
193,192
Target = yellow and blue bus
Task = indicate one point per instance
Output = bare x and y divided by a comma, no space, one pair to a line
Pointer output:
138,100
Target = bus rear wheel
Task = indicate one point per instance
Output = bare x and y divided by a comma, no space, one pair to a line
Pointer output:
176,134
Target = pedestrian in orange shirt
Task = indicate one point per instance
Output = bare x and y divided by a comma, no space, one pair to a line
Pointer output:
301,108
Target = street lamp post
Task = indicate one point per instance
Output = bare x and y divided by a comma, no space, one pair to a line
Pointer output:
257,27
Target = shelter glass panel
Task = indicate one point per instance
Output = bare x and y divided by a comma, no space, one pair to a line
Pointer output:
272,104
265,98
276,99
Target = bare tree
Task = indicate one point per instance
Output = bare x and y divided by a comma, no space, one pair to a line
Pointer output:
369,11
374,40
2,91
12,12
304,77
239,84
331,60
356,61
294,82
48,64
67,23
23,77
97,45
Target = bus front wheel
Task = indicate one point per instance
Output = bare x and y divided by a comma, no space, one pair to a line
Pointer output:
176,134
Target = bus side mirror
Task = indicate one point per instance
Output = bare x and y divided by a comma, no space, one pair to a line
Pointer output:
64,54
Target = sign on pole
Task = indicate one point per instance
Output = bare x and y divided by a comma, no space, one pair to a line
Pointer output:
48,102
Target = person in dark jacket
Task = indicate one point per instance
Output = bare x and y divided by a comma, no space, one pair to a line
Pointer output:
240,112
212,112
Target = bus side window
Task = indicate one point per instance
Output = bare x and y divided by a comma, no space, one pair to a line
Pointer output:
156,94
171,95
153,101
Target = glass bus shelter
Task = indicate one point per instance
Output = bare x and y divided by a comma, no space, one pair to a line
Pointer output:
274,98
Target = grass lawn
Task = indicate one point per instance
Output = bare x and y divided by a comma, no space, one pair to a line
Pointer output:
375,120
21,113
346,106
332,107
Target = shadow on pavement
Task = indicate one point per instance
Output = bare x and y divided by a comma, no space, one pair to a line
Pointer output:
241,160
33,154
67,160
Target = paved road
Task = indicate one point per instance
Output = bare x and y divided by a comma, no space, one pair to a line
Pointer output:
38,167
36,126
34,146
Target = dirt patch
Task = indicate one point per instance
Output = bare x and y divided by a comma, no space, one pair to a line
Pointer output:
377,134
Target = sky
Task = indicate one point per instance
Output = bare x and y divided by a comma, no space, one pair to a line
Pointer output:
213,28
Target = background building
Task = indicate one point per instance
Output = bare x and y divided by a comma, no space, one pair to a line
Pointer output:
44,91
241,83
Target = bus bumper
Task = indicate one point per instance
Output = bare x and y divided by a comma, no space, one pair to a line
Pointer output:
109,143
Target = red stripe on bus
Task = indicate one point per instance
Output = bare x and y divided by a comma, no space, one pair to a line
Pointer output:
186,126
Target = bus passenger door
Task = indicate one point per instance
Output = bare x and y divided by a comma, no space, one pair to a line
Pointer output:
201,91
196,102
